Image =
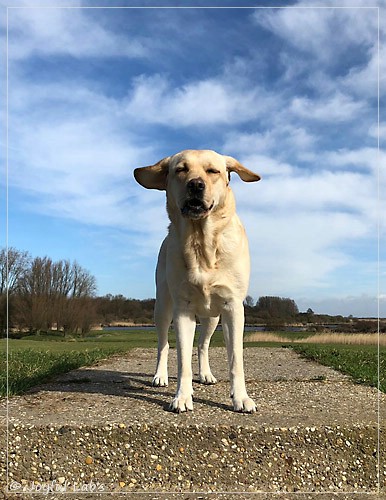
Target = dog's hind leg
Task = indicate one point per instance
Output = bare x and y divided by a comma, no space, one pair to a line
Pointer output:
163,314
208,326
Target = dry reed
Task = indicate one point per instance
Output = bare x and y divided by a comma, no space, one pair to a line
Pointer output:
322,338
345,338
265,337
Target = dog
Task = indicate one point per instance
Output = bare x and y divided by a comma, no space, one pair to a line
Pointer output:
203,268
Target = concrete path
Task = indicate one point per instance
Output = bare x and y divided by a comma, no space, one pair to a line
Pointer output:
106,429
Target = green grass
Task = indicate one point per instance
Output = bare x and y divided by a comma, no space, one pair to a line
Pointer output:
30,367
358,361
34,360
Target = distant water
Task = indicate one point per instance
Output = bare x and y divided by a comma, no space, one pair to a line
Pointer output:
127,328
247,328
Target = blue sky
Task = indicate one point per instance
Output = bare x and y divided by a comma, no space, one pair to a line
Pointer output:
291,93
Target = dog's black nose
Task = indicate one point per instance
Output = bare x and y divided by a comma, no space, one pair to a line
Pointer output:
196,186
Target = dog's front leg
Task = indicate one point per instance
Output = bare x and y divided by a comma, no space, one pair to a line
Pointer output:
163,318
184,326
233,327
163,314
208,326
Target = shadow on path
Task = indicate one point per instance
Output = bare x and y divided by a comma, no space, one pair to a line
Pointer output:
132,385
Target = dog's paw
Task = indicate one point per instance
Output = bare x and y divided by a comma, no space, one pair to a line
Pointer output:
160,380
207,378
181,404
244,405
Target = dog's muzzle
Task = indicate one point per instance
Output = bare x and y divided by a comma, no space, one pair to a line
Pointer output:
195,208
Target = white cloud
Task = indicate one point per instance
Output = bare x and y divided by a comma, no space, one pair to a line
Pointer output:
321,191
337,180
267,166
325,39
282,139
363,305
301,222
296,252
70,98
207,102
65,31
374,131
285,23
363,80
70,153
335,108
366,158
322,32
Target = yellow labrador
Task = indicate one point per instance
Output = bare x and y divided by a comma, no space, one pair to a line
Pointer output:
203,268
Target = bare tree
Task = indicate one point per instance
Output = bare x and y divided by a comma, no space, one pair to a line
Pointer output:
56,293
13,267
249,301
36,307
62,277
84,284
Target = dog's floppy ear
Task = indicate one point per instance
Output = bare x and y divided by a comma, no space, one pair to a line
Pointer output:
244,174
154,176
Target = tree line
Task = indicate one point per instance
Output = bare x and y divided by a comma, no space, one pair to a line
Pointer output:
277,311
268,309
46,295
113,309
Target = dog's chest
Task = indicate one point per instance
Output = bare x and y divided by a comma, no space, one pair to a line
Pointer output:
206,291
207,271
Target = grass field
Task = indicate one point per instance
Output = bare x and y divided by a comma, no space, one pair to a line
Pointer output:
355,355
37,359
360,362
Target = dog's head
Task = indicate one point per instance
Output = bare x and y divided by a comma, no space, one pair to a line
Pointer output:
196,181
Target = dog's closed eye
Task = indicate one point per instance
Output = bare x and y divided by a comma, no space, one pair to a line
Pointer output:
182,168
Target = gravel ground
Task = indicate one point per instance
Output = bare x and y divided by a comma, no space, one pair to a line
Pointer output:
105,429
208,496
